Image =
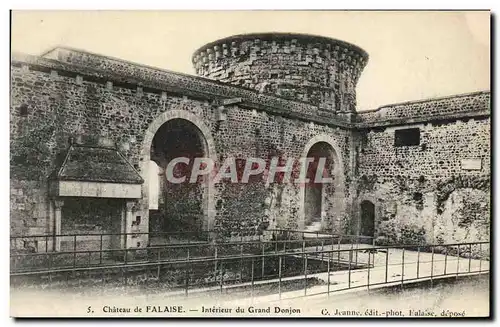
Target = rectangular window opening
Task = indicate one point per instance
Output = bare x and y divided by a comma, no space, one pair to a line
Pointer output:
23,110
406,137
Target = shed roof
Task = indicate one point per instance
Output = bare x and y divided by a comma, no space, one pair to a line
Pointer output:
97,164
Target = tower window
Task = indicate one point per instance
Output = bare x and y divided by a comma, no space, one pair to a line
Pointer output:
417,196
23,110
406,137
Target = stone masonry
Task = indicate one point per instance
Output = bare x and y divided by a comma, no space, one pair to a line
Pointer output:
258,96
314,69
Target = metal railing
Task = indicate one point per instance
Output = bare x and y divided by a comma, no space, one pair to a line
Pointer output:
287,265
75,257
101,241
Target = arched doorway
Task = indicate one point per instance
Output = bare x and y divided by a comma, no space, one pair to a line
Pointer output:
181,206
332,207
315,189
367,218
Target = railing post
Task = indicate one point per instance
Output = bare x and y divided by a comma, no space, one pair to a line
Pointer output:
402,267
284,251
338,248
74,255
100,251
470,255
241,262
305,274
279,276
215,262
458,260
188,266
432,265
357,250
14,259
480,257
418,262
159,266
263,270
103,280
445,259
253,267
351,252
221,275
322,253
386,264
368,277
349,276
328,272
49,263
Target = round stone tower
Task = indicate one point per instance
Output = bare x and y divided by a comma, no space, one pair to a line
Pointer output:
314,69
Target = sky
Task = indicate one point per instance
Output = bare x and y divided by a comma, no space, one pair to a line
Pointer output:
412,55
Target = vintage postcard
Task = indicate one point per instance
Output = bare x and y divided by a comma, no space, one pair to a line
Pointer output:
257,164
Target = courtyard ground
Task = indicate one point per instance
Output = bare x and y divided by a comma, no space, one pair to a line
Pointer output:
289,292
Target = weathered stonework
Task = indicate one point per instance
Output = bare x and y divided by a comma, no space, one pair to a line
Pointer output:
458,106
412,184
73,96
318,70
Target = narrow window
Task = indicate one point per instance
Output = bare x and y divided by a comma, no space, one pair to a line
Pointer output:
417,196
405,137
23,110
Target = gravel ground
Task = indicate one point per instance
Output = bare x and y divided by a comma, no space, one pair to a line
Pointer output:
466,296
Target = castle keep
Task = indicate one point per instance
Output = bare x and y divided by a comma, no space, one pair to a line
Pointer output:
91,136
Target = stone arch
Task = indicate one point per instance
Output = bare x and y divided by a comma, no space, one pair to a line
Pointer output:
339,200
146,157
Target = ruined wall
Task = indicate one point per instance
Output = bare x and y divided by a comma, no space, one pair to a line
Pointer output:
429,109
436,191
420,192
318,70
49,107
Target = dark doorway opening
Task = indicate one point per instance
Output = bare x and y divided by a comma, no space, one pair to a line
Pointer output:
181,206
314,188
367,218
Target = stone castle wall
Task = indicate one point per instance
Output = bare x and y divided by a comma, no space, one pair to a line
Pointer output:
58,106
436,191
463,105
